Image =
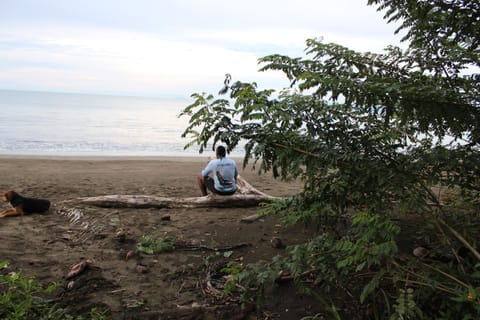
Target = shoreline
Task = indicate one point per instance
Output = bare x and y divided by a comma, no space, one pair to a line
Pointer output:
182,158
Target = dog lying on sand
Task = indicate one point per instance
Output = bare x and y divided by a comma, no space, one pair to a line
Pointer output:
23,205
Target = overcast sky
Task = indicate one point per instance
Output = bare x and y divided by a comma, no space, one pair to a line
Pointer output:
169,48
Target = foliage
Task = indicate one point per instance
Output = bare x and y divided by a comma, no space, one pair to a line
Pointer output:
405,307
25,298
150,245
373,136
232,268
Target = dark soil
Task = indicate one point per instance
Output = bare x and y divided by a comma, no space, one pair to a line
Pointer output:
182,284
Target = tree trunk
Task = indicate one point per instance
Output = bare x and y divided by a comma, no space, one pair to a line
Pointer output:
246,196
144,201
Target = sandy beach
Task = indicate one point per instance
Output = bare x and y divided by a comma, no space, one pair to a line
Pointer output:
167,285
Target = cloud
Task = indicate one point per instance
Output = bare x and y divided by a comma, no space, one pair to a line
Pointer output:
174,47
119,60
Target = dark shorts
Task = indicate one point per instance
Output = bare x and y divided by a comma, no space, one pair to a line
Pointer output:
210,184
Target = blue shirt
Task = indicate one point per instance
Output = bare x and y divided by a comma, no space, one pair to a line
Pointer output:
225,173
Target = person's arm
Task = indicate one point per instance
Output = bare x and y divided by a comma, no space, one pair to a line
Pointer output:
209,168
236,173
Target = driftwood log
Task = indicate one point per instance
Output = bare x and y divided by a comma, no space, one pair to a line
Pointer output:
246,196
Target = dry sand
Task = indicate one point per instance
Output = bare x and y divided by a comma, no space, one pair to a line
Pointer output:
162,286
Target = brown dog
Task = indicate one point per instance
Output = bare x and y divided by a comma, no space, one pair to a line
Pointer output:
23,205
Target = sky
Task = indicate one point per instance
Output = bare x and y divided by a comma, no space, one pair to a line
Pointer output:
170,47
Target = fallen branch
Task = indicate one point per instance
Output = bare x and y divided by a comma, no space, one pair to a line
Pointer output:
192,246
251,218
144,201
246,196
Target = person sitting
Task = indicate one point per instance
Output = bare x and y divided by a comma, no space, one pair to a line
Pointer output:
224,171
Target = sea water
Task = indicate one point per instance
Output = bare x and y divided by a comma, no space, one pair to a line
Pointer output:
65,124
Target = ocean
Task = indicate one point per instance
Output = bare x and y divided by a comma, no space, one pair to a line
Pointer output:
66,124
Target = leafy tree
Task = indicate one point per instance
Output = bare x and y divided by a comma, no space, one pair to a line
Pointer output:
371,134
